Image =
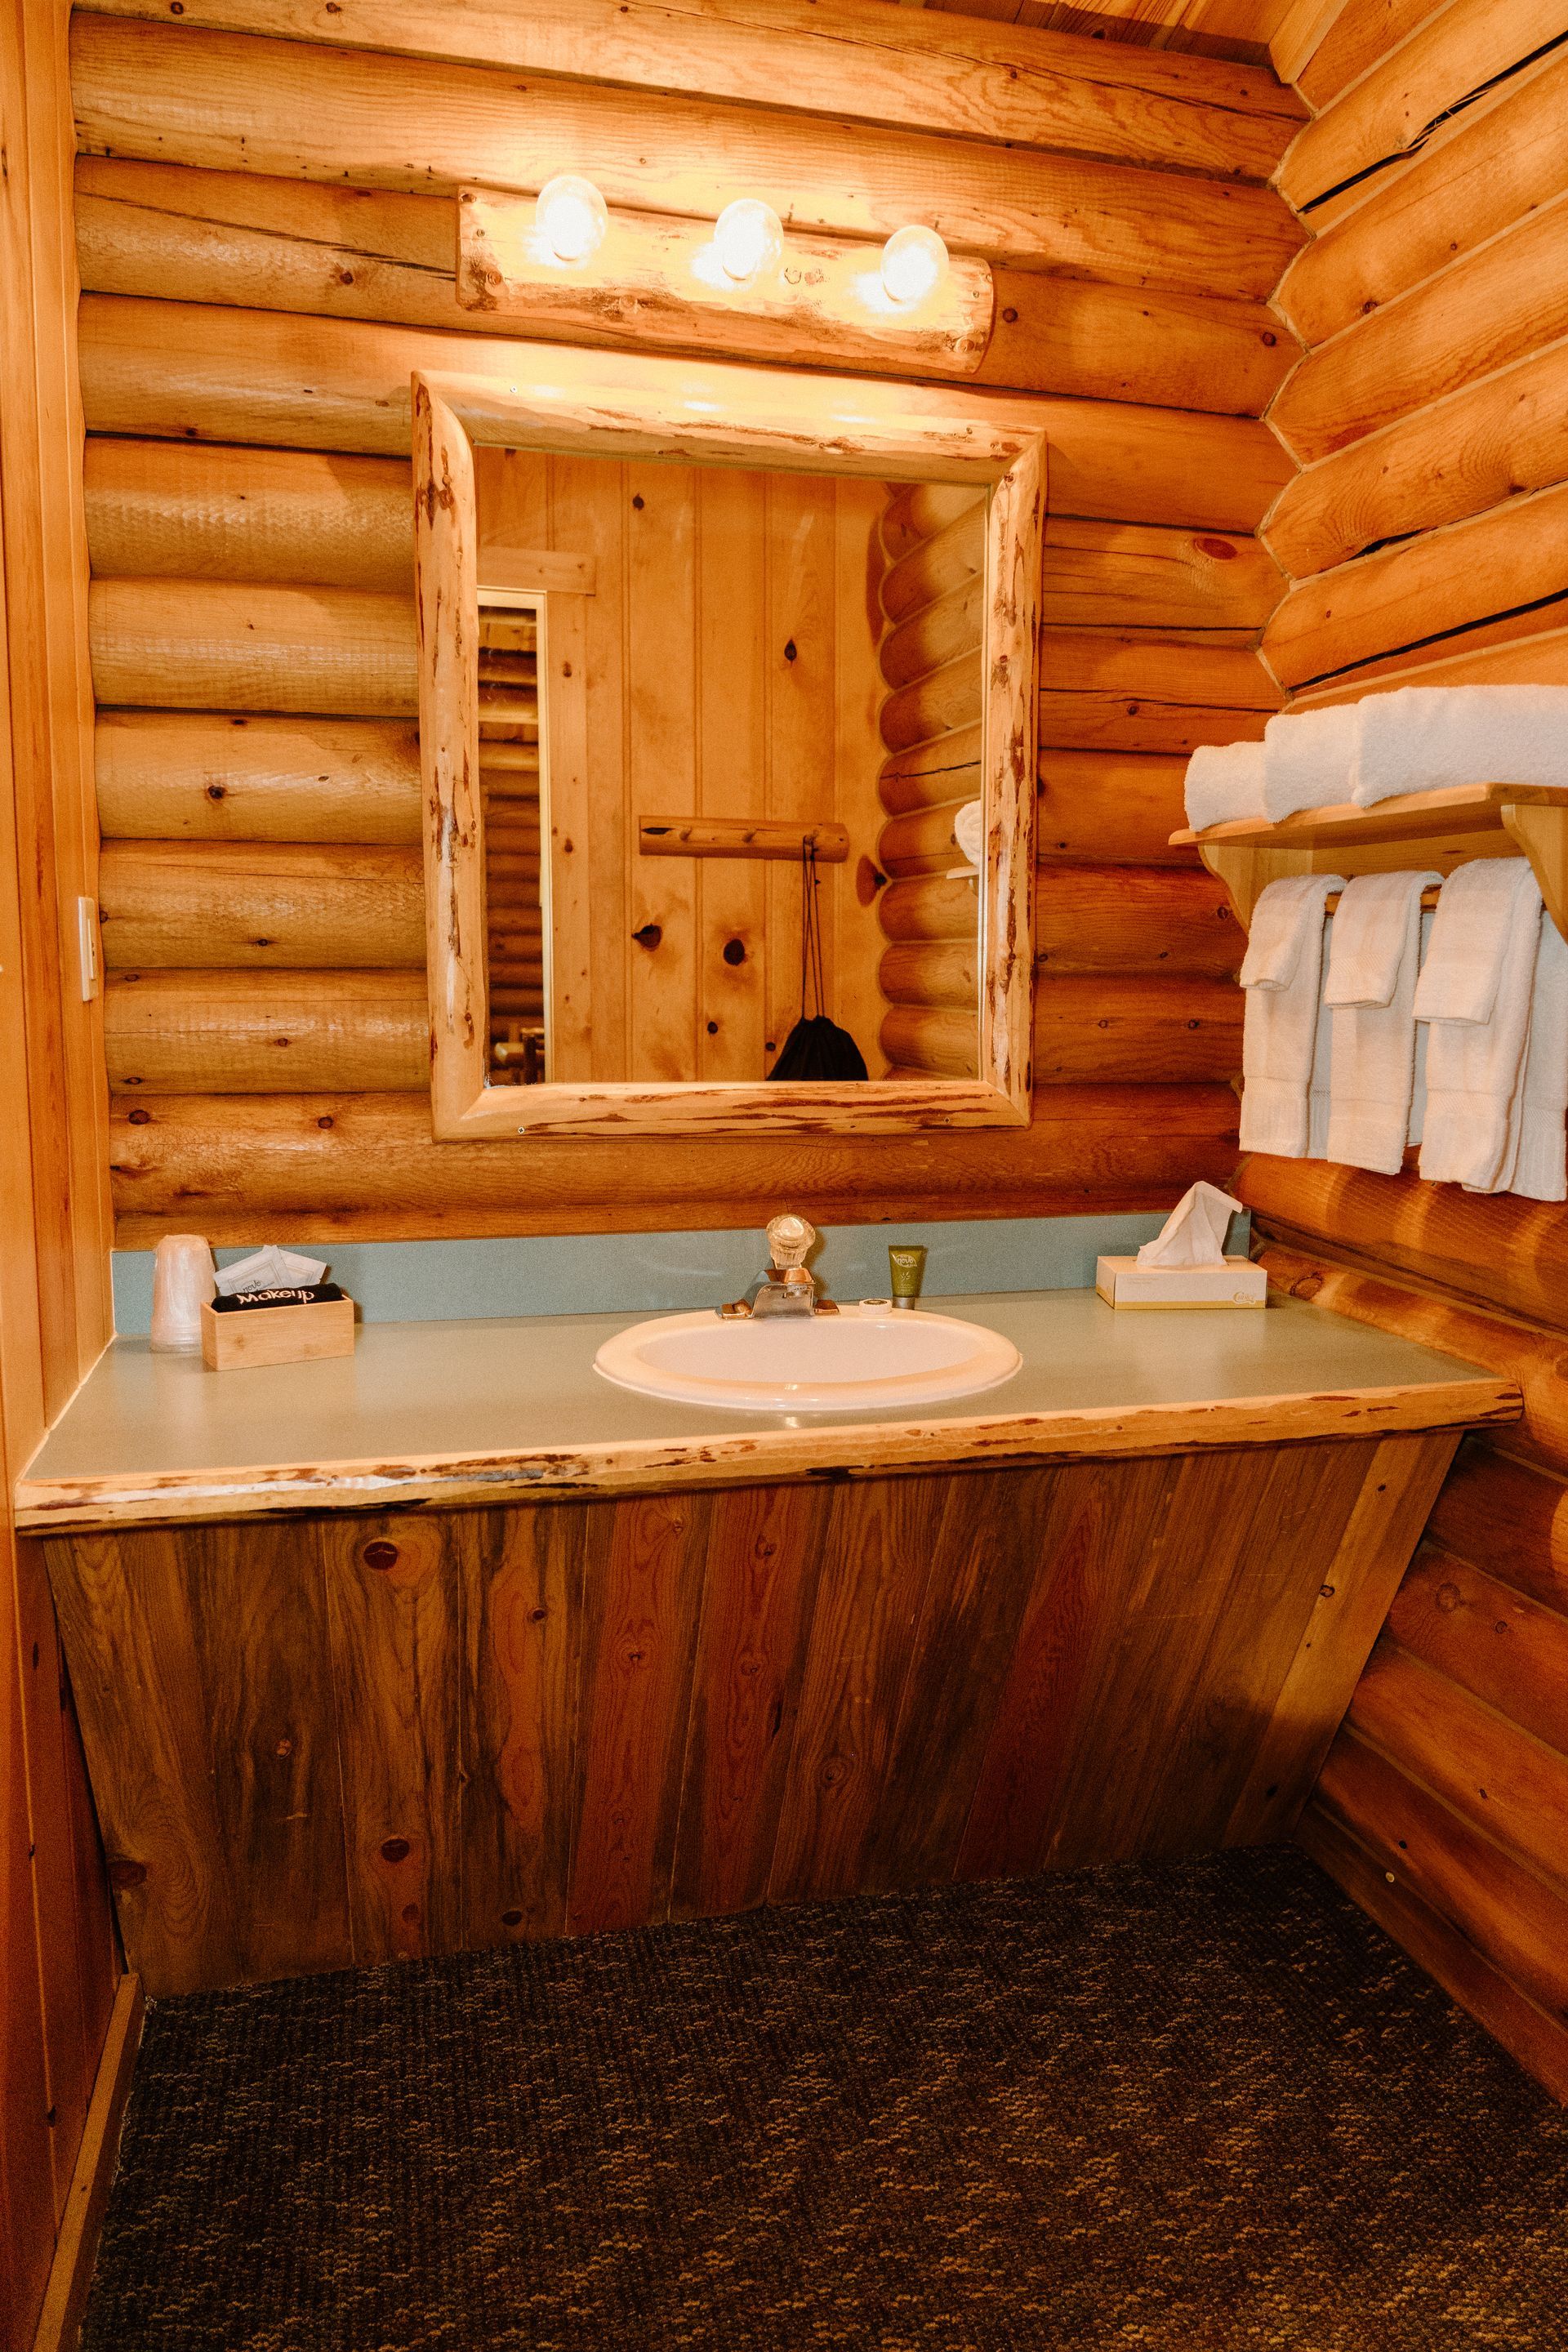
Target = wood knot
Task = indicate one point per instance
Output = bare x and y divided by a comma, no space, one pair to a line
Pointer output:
380,1554
1448,1598
1308,1287
127,1874
394,1849
1220,549
734,951
512,1918
648,937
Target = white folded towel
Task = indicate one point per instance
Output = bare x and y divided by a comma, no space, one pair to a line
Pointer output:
1475,993
1375,951
1420,739
1225,785
1307,758
1284,1042
1540,1160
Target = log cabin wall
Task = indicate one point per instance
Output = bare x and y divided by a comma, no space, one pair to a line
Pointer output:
1427,538
267,233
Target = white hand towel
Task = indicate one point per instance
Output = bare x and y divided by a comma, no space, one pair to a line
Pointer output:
1540,1162
1225,785
1307,760
1284,1058
1475,993
1420,739
1375,952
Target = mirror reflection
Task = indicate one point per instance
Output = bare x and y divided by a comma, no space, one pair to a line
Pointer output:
736,839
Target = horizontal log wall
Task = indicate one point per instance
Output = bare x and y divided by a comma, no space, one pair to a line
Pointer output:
1427,538
1429,415
265,226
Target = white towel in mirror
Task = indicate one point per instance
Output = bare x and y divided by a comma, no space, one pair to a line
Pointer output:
1374,955
1286,1041
1540,1160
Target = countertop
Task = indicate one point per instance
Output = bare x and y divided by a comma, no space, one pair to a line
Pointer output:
487,1411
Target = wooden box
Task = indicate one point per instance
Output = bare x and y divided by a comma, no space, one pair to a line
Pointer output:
278,1335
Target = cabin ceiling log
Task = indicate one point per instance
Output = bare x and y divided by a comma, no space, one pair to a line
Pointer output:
229,102
852,62
174,234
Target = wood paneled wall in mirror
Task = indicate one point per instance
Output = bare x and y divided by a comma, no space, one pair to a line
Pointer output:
676,662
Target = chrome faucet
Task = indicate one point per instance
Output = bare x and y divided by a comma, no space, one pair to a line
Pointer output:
786,1287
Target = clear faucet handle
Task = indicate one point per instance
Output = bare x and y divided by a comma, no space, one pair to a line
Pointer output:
790,1238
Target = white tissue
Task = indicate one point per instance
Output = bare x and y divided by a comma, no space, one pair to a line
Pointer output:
1194,1233
270,1269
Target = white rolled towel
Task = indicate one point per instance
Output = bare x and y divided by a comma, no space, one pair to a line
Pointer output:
1285,1038
1421,739
1307,758
1225,785
969,831
1374,955
1475,993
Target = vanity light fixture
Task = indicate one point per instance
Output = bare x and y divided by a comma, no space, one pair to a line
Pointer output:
914,263
572,218
749,239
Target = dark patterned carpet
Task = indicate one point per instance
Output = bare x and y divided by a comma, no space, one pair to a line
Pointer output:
1190,2109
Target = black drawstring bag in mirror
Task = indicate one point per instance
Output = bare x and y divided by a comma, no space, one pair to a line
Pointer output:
817,1048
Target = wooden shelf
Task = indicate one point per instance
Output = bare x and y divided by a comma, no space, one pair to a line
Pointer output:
1438,829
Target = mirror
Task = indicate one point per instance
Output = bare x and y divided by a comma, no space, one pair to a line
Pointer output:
672,698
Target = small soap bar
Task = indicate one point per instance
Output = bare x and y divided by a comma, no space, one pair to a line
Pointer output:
1122,1281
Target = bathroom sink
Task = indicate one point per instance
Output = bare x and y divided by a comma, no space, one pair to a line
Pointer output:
856,1360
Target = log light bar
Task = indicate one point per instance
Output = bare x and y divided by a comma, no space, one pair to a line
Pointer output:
567,263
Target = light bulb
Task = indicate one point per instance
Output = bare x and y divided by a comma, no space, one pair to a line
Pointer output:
914,263
572,218
749,239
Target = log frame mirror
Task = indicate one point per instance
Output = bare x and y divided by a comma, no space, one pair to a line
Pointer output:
786,424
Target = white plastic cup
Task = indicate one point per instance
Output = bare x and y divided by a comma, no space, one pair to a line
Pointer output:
184,1279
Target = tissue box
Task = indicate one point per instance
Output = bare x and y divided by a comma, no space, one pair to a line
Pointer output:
1122,1281
278,1335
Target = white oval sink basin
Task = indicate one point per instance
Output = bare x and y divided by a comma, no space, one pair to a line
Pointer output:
860,1359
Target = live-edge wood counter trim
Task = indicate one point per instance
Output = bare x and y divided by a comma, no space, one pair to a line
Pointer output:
606,1441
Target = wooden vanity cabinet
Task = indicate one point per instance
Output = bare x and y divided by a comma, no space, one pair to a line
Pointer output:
334,1739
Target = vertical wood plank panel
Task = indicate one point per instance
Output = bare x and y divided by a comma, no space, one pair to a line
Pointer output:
1101,1515
642,1567
259,1616
28,2213
589,505
1354,1597
990,1542
765,1552
733,893
661,763
859,565
876,1561
54,1868
1204,1624
522,1600
392,1614
569,920
124,1611
799,651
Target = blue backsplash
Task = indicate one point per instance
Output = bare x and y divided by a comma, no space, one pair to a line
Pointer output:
581,1273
